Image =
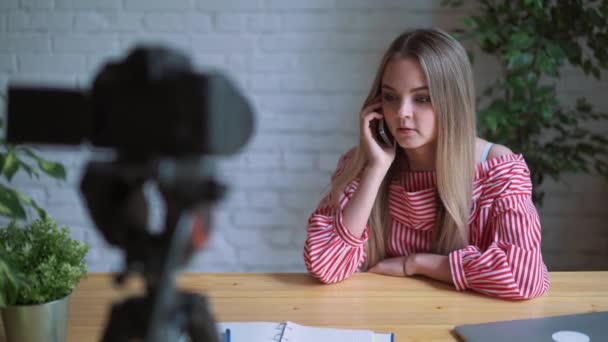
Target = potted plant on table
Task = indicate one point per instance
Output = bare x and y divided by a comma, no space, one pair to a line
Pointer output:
41,265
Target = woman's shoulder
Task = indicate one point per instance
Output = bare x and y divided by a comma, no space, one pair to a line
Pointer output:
502,164
497,150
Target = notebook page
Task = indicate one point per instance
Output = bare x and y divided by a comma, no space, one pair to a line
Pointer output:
383,337
252,331
300,333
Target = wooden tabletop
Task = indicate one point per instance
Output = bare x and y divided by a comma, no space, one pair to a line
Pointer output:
415,309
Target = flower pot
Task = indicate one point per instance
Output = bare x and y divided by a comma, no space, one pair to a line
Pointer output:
37,323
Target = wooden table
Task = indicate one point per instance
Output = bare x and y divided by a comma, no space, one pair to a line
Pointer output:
416,309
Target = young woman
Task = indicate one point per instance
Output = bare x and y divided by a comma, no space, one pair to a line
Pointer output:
441,202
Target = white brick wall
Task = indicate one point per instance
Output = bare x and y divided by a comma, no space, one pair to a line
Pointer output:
306,66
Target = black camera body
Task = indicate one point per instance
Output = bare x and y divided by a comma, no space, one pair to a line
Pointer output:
151,104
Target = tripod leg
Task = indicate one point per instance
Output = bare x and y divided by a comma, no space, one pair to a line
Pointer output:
127,321
200,323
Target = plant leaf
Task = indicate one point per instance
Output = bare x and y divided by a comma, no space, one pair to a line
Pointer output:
10,205
29,170
30,202
10,166
53,169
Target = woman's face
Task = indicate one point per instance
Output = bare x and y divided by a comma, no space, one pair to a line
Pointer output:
406,104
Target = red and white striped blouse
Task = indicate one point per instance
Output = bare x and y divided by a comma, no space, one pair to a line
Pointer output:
503,258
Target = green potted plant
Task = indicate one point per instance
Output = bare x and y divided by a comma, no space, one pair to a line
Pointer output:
40,266
531,41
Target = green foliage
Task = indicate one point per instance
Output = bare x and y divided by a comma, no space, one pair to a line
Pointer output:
9,285
39,262
532,40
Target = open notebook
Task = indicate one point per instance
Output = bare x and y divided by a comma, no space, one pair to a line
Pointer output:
292,332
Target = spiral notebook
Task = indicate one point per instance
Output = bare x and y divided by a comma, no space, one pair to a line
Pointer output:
292,332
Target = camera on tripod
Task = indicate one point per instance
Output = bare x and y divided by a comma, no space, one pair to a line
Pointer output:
163,120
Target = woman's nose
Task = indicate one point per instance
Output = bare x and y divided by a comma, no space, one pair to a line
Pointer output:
405,109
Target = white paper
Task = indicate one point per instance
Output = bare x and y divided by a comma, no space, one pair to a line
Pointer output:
252,331
293,332
300,333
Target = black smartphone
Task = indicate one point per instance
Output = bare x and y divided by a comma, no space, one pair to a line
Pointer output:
382,134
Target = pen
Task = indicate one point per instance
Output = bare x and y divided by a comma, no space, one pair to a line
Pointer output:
227,335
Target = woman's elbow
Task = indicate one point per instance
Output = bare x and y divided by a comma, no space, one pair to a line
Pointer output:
328,280
321,274
538,289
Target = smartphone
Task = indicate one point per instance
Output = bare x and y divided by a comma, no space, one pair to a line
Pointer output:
382,134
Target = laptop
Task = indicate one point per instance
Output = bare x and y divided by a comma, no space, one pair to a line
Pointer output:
587,327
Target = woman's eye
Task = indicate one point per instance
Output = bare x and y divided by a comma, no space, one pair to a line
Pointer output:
388,97
423,99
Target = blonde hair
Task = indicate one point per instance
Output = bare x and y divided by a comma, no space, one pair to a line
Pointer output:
448,72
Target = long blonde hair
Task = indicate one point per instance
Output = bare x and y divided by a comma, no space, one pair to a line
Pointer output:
448,72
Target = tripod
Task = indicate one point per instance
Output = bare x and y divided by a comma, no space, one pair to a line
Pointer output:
115,198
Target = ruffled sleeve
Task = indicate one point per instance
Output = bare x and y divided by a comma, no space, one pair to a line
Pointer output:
331,252
512,266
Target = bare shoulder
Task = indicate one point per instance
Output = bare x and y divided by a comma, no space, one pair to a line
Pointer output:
498,150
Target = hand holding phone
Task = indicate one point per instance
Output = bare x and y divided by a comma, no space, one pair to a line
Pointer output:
376,139
382,134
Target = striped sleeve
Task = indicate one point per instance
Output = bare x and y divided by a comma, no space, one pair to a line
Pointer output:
512,266
331,252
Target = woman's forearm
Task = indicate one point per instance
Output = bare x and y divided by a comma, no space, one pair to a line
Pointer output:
433,266
357,210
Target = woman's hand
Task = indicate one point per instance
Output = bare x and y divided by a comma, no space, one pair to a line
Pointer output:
396,267
378,156
431,265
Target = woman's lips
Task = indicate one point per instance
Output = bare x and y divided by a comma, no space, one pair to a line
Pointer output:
406,131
